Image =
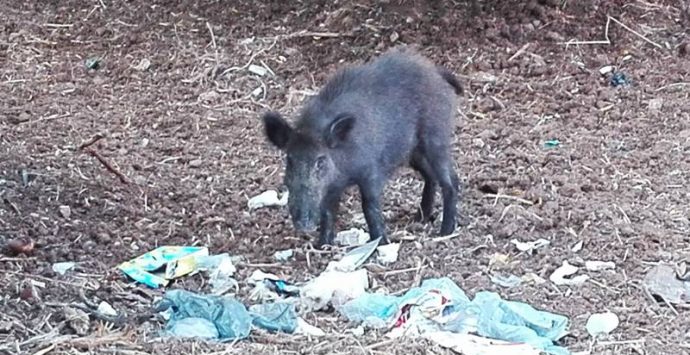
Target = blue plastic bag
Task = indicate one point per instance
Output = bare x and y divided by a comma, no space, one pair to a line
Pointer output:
230,317
487,315
274,317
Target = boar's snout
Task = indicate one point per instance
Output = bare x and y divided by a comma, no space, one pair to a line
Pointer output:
304,220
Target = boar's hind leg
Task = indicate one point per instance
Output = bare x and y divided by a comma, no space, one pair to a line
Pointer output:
421,164
439,159
370,190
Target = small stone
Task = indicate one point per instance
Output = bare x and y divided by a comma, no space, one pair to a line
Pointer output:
394,37
65,211
196,163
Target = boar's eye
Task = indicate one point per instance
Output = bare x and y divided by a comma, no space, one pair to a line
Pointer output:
321,164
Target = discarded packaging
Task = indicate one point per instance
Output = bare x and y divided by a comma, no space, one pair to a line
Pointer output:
355,258
605,69
593,265
351,237
508,281
92,63
305,328
602,323
274,317
229,317
529,247
257,69
662,281
553,143
267,199
221,269
440,305
388,253
334,288
559,275
468,344
283,255
178,261
62,268
106,309
578,246
619,79
269,287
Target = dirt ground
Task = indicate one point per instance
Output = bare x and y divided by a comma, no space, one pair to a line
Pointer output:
179,111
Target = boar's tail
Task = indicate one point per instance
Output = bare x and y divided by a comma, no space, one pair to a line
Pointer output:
451,79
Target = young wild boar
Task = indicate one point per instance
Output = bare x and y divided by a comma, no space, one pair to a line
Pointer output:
367,121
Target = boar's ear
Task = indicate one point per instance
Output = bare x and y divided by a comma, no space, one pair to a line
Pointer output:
338,130
277,130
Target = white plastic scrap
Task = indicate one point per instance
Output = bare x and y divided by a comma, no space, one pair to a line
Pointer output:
257,69
351,237
602,323
267,198
388,253
605,69
334,287
305,328
106,309
578,246
507,281
529,247
283,255
62,268
355,258
593,265
468,344
559,276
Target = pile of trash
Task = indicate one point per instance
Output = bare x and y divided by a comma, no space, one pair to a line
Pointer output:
437,310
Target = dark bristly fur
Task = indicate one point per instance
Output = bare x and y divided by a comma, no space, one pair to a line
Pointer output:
367,121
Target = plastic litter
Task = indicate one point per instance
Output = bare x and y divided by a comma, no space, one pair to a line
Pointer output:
63,267
106,309
529,247
552,143
221,269
257,69
468,344
267,198
229,317
593,265
602,323
388,253
283,255
559,275
193,327
507,281
351,237
662,281
177,261
355,258
578,246
305,328
92,63
333,288
439,305
275,317
619,79
269,287
606,69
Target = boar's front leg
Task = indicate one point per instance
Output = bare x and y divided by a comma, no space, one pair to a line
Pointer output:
370,191
329,210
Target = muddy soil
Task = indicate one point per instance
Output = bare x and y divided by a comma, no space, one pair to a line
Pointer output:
182,150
